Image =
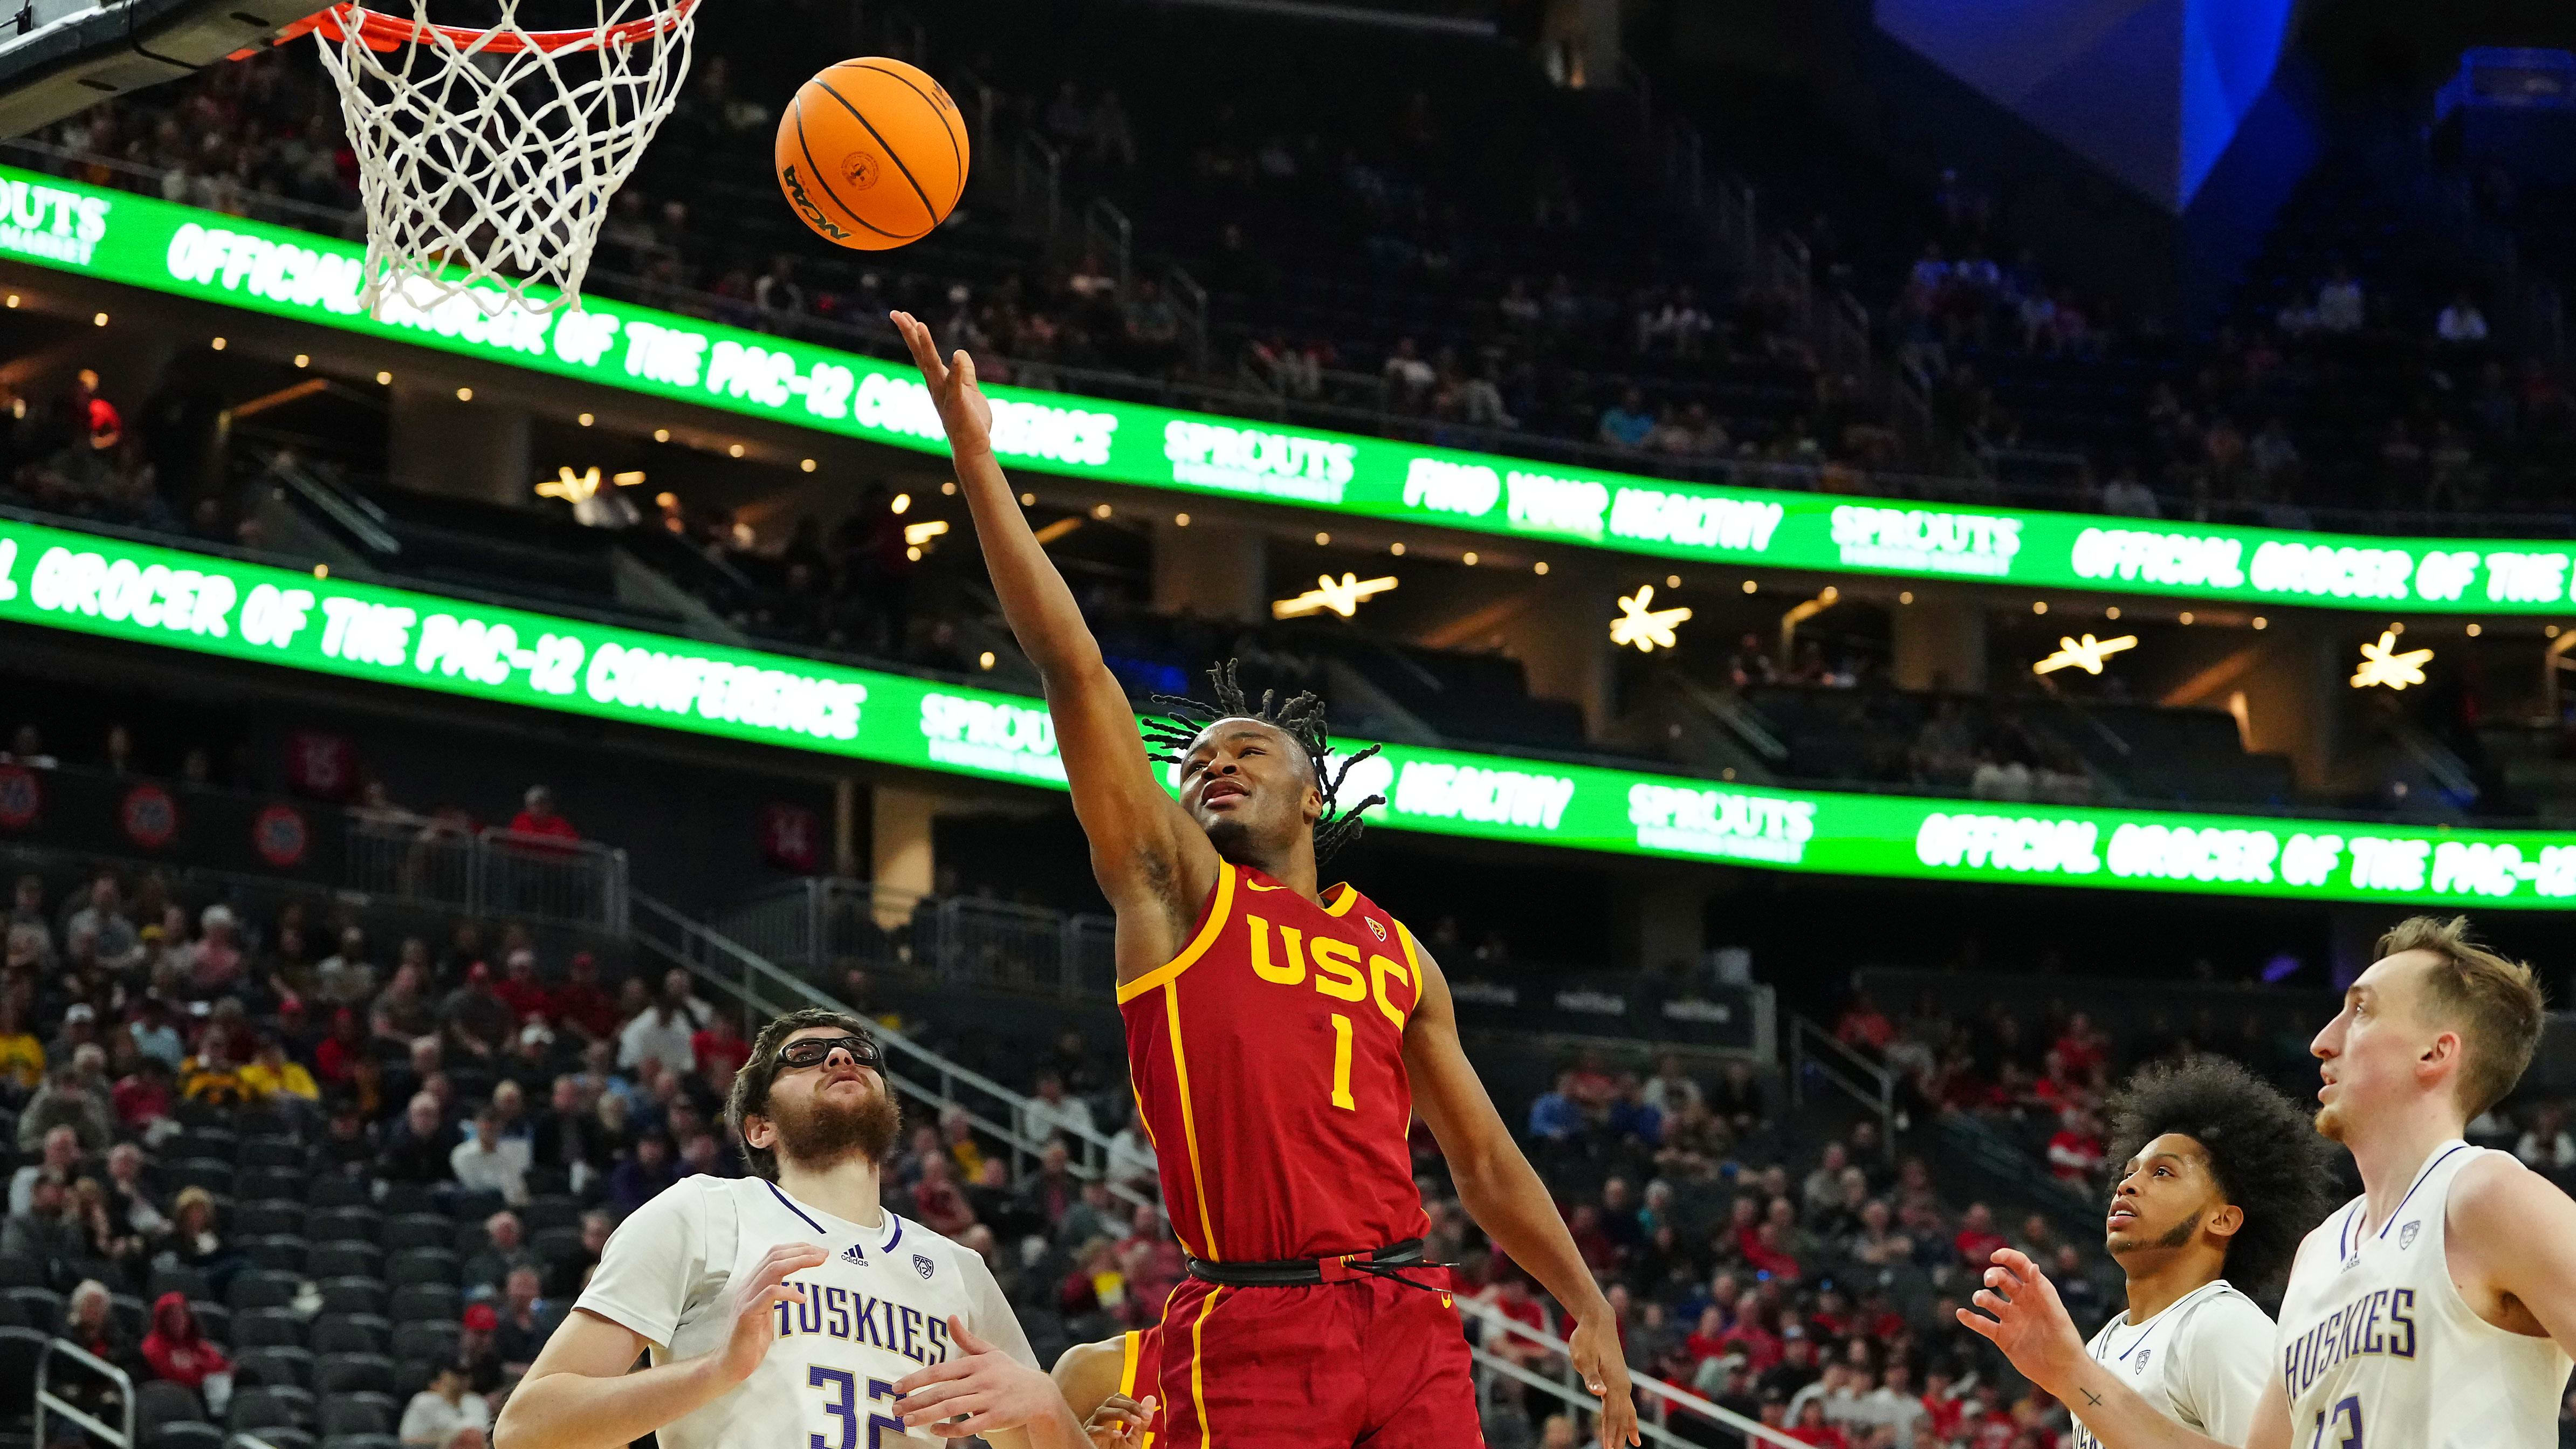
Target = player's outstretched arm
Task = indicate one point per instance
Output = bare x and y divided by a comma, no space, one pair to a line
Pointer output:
1088,1374
1146,852
2024,1318
579,1393
1502,1192
2512,1240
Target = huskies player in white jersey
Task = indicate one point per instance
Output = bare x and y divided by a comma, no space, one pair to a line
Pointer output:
789,1310
2220,1176
2436,1310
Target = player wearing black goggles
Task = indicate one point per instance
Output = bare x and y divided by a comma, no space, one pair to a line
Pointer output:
813,1051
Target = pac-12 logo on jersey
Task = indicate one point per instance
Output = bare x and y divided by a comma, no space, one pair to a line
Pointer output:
921,1264
2406,1235
2143,1355
1376,927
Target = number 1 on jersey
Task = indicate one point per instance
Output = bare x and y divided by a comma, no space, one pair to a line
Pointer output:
2346,1425
1342,1063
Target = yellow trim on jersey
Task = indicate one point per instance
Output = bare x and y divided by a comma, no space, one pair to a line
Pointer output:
1350,894
1218,910
1190,1127
1131,1348
1413,959
1198,1356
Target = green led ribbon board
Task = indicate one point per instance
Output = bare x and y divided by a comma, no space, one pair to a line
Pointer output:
148,243
57,579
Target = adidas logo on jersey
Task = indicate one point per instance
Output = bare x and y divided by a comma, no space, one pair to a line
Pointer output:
854,1255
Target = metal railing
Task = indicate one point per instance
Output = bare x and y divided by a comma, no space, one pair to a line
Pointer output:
1656,1399
1109,236
1818,1060
1037,184
411,858
763,990
49,1401
819,927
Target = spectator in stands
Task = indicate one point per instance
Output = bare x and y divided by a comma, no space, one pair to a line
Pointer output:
937,1201
581,1006
271,1078
504,1248
44,1232
2548,1148
63,1101
521,990
129,1197
476,1022
180,1353
2340,308
61,1163
214,962
1977,1239
436,1412
1052,1111
676,1015
2075,1151
649,1170
2461,324
1737,1098
537,817
419,1149
491,1162
1625,423
1554,1116
89,1324
476,1352
526,1320
571,1271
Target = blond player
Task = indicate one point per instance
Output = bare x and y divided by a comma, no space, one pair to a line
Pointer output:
2436,1310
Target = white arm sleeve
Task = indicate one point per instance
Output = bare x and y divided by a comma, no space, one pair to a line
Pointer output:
654,1265
988,1313
2226,1362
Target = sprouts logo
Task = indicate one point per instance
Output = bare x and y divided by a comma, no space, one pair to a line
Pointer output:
49,222
1247,460
1723,823
1003,739
1921,540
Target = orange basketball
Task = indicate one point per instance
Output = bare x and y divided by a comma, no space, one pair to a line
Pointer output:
872,153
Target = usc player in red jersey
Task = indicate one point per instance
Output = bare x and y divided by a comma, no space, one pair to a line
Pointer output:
1281,1037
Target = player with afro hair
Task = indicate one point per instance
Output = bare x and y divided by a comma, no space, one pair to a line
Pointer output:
2254,1157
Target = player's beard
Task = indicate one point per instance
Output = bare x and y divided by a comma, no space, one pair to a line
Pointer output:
2182,1233
822,1132
2330,1123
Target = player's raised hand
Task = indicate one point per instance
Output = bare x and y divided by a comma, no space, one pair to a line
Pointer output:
2028,1321
1597,1357
1120,1422
989,1387
963,409
751,1301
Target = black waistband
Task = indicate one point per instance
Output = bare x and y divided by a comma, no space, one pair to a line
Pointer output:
1305,1272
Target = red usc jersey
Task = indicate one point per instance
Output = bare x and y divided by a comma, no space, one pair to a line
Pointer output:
1140,1370
1268,1059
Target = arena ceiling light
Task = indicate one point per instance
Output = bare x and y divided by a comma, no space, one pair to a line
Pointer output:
2382,664
2086,653
1644,626
1342,596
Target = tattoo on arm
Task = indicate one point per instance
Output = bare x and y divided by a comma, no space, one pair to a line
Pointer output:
2092,1398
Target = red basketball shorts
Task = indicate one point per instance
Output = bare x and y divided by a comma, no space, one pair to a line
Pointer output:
1363,1362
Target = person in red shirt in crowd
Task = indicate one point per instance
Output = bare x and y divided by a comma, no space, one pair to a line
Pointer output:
1770,1255
1989,1419
1593,1241
1811,1428
1942,1410
2075,1152
582,1006
537,817
1977,1239
93,416
336,1059
143,1096
719,1048
1708,1340
2083,1046
177,1349
1863,1027
1760,1346
1511,1294
527,997
1591,1086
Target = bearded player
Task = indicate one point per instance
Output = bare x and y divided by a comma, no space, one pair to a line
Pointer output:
2434,1311
1280,1036
2220,1176
788,1308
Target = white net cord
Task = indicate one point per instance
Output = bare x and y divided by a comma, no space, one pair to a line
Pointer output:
486,158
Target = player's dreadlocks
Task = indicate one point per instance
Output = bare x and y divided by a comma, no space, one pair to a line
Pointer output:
2264,1154
1302,718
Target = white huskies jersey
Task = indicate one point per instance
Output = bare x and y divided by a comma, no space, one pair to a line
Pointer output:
876,1309
2202,1362
2377,1346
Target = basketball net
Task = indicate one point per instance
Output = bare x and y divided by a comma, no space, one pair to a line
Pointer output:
486,157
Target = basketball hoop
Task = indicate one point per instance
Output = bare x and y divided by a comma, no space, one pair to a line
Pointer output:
486,157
